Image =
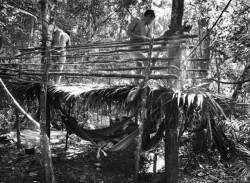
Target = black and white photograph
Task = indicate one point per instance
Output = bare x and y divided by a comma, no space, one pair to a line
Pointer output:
125,91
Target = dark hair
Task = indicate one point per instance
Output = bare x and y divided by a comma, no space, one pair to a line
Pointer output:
150,13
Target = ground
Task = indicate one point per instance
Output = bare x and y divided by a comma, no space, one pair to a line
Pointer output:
78,164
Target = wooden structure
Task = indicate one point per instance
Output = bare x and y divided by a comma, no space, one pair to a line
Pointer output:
105,60
108,61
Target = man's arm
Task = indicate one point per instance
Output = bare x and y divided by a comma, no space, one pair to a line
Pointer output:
131,29
64,40
69,41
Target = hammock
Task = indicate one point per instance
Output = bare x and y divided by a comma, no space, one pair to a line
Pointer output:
109,133
118,135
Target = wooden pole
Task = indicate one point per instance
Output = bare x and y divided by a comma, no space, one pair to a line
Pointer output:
136,68
217,64
144,98
102,44
18,105
18,129
99,61
67,139
48,118
115,75
44,140
155,163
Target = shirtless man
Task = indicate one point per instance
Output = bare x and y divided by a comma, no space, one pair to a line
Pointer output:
60,39
139,30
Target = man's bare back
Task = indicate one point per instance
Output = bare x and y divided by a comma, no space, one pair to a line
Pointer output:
139,31
60,39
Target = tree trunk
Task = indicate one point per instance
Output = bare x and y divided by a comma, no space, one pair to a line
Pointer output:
177,14
171,145
238,87
171,127
44,140
205,45
175,50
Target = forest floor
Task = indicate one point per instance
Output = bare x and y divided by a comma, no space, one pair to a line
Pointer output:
77,164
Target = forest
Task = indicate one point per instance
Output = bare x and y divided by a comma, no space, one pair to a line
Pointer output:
125,91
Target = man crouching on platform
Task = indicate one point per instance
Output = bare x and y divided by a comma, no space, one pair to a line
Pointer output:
139,30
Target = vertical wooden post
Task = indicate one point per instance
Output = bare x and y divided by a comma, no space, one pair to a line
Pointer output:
217,64
144,98
18,134
44,140
67,139
155,163
48,118
18,129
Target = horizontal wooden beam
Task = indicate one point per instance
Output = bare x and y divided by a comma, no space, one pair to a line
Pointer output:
136,68
112,75
15,63
171,39
197,70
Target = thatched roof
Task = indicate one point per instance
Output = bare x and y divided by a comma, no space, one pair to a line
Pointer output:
85,90
100,95
161,104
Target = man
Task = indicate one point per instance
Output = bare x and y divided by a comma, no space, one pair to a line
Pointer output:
139,30
60,40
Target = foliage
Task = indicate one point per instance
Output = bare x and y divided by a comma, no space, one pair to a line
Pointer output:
98,21
229,48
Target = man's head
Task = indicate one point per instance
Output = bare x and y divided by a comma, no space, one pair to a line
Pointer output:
149,16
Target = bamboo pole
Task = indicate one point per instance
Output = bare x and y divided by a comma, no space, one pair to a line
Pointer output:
18,134
110,75
101,45
197,70
18,105
110,69
115,75
96,60
101,53
155,59
125,51
136,68
90,45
